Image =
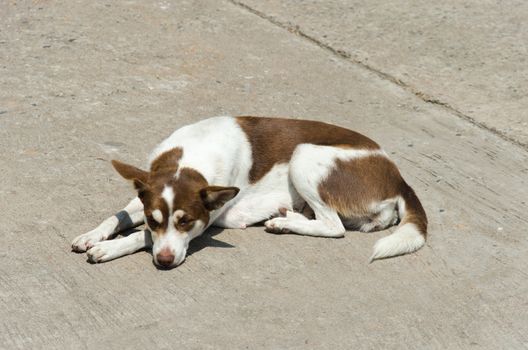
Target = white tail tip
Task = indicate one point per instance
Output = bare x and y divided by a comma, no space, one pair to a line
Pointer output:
405,239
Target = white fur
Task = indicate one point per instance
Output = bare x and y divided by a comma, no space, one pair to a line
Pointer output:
217,148
158,216
295,216
178,214
261,200
176,242
387,215
168,195
401,207
109,250
108,227
309,158
405,239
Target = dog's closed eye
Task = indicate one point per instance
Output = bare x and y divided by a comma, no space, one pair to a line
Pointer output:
185,222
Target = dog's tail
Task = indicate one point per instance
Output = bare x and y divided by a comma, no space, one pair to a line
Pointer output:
411,232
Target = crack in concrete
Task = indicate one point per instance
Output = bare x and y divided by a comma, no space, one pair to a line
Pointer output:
295,29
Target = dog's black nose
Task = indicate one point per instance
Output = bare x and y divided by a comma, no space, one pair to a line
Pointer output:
165,258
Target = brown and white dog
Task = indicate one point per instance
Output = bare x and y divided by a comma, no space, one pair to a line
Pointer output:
233,172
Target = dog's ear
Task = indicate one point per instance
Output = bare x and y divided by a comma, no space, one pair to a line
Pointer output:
137,176
215,197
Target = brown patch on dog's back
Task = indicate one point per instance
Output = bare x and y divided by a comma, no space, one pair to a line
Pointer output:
273,140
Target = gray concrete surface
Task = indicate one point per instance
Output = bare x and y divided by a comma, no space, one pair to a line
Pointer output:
468,55
83,82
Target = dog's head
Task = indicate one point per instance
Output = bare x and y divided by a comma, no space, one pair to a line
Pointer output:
177,202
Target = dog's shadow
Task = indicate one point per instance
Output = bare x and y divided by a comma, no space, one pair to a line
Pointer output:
205,240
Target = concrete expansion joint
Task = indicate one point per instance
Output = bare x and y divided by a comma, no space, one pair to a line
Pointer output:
347,56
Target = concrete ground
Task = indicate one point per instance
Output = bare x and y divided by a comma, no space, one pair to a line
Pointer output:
442,87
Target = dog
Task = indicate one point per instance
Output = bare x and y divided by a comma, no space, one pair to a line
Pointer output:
233,172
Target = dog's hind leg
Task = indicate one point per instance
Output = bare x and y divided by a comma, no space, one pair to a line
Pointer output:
131,216
308,166
115,248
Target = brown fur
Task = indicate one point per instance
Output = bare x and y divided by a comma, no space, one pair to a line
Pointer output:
215,197
415,211
167,162
355,184
273,140
150,185
192,194
187,189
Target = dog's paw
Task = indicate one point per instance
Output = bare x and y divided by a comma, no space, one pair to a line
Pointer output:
232,219
276,225
236,225
104,251
86,241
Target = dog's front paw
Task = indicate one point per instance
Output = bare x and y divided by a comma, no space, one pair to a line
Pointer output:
232,219
276,225
86,241
104,251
